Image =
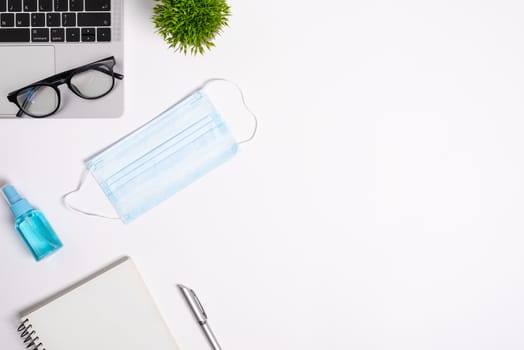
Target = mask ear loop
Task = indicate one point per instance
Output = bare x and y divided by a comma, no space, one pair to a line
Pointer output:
255,119
72,208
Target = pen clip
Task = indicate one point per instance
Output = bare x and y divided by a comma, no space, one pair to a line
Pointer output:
199,304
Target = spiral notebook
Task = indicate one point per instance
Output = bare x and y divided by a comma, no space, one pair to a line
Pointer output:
110,310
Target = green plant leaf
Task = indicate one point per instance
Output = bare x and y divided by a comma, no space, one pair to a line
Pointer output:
190,25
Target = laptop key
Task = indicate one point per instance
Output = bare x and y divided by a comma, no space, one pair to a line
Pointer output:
103,34
72,34
40,35
3,6
22,19
14,35
53,19
14,5
76,5
57,34
69,19
37,20
30,5
98,5
7,20
88,34
61,5
45,5
94,19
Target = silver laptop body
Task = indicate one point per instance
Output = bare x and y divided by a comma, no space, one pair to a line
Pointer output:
55,36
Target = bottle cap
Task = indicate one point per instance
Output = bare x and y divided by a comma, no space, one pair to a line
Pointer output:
19,205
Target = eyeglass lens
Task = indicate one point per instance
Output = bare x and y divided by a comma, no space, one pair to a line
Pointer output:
93,83
38,100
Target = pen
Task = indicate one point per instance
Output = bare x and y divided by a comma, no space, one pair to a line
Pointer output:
200,315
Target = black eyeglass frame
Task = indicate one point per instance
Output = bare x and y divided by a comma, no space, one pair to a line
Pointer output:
105,65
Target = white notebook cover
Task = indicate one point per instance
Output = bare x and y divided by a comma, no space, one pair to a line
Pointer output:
110,310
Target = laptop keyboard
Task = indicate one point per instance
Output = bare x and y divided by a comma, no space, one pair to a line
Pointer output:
38,21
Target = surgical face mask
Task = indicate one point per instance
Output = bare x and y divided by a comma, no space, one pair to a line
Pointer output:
162,157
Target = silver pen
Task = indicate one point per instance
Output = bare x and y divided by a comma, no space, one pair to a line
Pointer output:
200,315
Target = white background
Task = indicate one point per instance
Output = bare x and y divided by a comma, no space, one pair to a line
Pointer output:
379,207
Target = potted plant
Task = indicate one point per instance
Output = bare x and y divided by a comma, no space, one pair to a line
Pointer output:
190,25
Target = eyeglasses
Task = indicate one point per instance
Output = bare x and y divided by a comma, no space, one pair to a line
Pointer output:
42,99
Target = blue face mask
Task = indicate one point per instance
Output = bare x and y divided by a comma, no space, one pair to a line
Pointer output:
162,157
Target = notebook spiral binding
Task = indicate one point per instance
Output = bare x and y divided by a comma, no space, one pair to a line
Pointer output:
28,334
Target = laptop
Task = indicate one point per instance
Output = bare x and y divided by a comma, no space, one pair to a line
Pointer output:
39,38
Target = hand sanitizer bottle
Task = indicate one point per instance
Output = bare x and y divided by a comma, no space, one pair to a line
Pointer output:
32,225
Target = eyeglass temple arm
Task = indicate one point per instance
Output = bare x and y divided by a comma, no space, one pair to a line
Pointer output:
61,78
115,74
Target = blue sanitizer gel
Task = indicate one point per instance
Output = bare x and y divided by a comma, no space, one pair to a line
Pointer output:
32,225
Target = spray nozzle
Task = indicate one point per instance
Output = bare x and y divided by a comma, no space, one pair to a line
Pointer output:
11,195
19,205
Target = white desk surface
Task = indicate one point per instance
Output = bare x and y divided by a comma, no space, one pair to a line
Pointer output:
380,206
